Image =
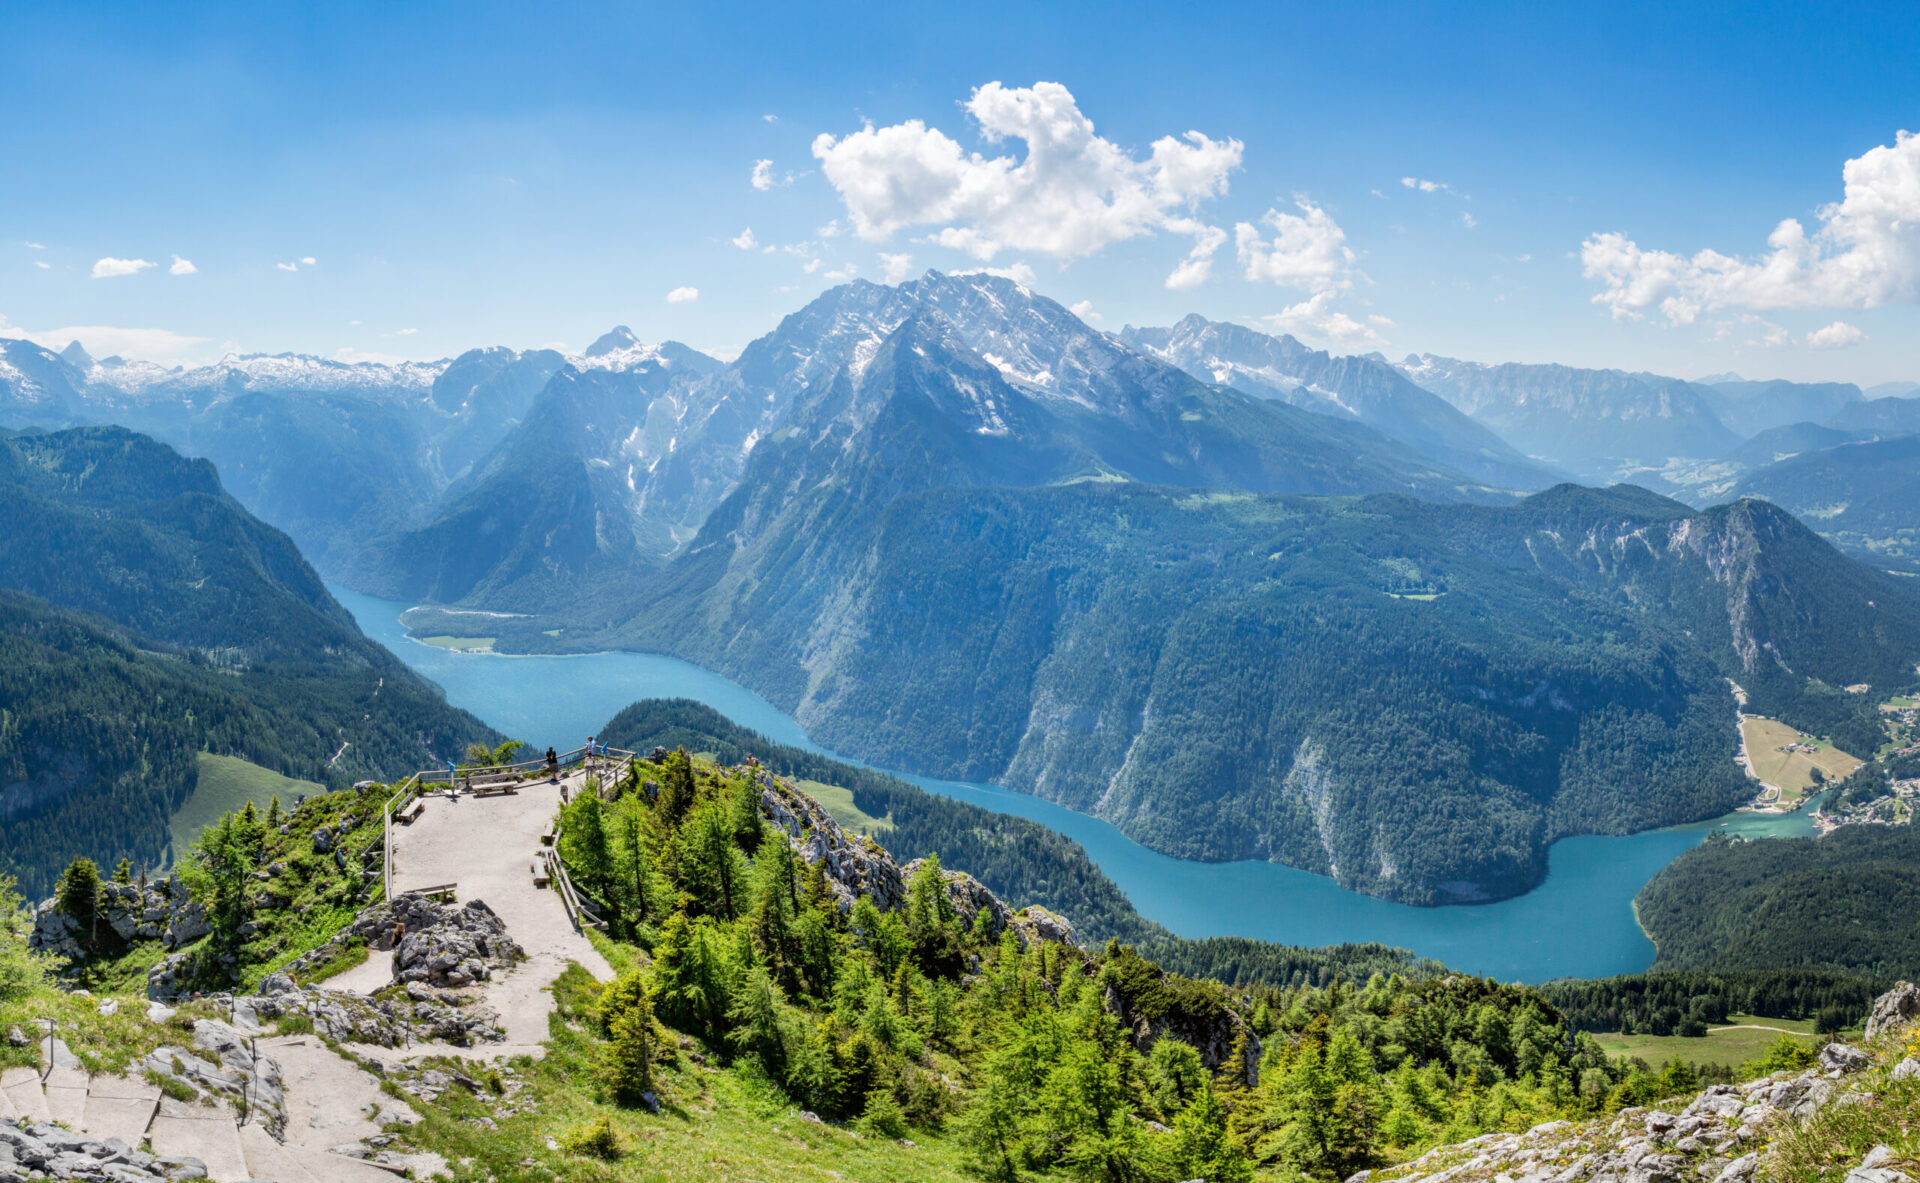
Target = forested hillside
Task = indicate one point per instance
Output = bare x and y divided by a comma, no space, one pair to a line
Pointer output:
1415,698
149,617
1864,496
1841,902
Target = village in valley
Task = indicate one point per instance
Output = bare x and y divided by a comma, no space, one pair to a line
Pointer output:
1794,769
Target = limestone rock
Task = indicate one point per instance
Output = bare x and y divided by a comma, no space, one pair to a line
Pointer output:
1842,1059
1894,1010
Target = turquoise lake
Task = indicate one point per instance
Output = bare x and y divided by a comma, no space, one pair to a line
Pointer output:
1578,923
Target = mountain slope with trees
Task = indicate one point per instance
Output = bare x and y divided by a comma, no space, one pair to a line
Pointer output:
148,617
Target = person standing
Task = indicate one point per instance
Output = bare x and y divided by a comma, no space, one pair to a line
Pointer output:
553,766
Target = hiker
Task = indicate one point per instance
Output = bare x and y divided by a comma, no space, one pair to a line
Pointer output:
586,759
553,765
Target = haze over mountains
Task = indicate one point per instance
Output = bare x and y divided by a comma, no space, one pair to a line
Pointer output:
1241,597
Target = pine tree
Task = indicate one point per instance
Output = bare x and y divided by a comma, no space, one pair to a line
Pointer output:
1200,1147
627,1063
747,824
676,789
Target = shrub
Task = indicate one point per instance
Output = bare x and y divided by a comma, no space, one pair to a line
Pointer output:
596,1139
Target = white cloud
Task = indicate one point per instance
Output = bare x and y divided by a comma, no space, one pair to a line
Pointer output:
1084,310
288,266
1837,335
1467,220
1425,186
895,267
35,246
1073,194
1308,250
683,295
745,239
830,230
843,274
762,177
308,260
43,265
110,267
1523,258
182,267
770,118
812,265
1315,317
1865,253
159,345
1195,269
401,333
1018,273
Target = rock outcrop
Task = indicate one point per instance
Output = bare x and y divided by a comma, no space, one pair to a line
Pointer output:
1893,1010
443,945
856,865
45,1151
157,911
223,1065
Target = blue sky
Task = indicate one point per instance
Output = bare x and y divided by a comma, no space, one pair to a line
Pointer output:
498,174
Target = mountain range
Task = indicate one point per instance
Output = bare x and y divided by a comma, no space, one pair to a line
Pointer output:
1240,597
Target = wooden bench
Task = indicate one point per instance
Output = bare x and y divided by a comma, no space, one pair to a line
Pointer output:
484,786
546,835
541,876
412,811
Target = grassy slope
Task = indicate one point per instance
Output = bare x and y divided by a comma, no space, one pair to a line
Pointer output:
227,783
720,1126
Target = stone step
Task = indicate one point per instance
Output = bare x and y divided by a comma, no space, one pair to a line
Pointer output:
22,1086
212,1139
268,1159
119,1107
66,1091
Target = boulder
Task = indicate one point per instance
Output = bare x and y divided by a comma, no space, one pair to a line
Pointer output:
1894,1010
1842,1059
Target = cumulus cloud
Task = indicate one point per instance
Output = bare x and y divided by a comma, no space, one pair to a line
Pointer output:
110,267
158,345
308,260
1308,250
745,239
288,266
1073,193
182,267
683,295
1837,335
43,265
1468,220
1425,186
1865,253
1315,317
762,177
1197,267
895,268
1084,310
